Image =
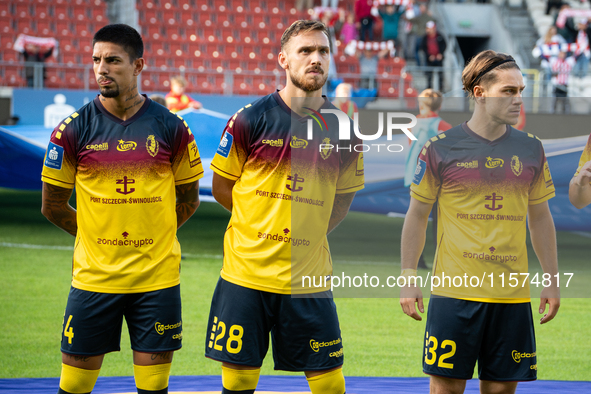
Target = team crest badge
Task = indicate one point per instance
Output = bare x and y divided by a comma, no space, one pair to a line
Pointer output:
325,148
152,146
516,166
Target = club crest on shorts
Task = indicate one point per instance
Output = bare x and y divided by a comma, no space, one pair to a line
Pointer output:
152,145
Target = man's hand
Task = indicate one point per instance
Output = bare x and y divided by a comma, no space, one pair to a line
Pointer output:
550,296
409,296
196,105
579,192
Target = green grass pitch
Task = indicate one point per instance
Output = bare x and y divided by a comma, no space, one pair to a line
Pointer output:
379,339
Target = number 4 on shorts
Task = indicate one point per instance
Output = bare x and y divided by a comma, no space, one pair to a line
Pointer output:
69,331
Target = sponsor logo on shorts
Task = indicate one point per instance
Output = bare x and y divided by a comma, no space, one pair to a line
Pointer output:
517,356
160,328
315,345
98,147
338,353
178,336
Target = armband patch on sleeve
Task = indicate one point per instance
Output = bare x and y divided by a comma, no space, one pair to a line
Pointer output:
55,156
225,145
547,176
194,158
419,172
359,170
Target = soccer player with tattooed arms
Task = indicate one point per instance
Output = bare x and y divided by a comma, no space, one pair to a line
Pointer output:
488,178
286,193
136,170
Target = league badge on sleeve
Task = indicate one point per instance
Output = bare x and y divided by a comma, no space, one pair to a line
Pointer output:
55,156
419,172
225,145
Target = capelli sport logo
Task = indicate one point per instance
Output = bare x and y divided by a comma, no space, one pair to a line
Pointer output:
517,356
160,328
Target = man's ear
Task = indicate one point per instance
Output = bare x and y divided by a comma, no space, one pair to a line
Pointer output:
282,59
138,66
478,93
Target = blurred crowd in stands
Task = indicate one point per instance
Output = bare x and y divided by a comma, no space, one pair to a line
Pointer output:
408,27
564,50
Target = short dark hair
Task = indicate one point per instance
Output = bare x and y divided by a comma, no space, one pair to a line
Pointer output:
302,26
123,35
473,72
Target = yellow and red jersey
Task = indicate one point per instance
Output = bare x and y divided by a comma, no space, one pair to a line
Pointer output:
125,173
283,196
483,189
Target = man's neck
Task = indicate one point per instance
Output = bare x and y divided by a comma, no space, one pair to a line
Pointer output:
486,128
125,105
304,99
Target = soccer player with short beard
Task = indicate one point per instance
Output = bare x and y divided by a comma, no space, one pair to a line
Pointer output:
282,209
136,170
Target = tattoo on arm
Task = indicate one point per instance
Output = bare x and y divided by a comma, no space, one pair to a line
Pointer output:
187,201
57,209
340,208
161,356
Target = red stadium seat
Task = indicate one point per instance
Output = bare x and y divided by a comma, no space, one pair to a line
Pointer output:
13,76
5,9
388,88
70,58
54,78
99,15
210,84
6,42
45,27
22,10
10,55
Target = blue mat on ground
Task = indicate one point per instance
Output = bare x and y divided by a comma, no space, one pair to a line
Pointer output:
284,384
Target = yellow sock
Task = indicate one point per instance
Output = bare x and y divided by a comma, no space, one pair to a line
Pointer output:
328,383
77,380
240,379
151,377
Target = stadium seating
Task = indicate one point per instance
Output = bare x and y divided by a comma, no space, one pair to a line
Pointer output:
203,40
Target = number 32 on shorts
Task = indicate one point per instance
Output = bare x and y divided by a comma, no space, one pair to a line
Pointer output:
431,345
233,343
